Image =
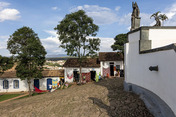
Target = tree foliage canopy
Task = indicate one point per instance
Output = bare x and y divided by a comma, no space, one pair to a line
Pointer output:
74,31
30,54
120,40
5,63
25,44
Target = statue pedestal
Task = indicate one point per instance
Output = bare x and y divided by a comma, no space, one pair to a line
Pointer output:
136,23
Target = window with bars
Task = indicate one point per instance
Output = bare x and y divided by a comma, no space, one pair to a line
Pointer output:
5,84
16,84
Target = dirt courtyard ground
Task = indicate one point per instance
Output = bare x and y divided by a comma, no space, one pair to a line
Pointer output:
103,99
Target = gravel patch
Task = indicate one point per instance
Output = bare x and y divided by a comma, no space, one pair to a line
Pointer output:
103,99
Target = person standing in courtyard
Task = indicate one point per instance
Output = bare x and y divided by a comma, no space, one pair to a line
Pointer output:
50,87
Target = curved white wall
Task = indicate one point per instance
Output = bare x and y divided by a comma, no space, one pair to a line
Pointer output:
162,82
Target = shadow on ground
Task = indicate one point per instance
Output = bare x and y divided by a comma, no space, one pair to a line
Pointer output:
121,103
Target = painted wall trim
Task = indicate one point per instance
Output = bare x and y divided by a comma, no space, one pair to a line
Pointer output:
152,27
164,48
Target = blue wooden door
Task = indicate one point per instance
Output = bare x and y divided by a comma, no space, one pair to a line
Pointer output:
36,83
49,81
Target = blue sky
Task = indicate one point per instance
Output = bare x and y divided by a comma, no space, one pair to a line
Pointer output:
112,16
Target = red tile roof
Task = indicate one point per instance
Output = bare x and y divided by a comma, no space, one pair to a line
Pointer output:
89,62
46,73
110,56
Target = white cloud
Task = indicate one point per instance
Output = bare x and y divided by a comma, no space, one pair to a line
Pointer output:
104,15
3,46
128,28
3,43
106,43
7,13
3,5
145,19
80,7
171,14
51,32
101,15
51,40
125,19
4,37
171,11
117,8
52,43
54,8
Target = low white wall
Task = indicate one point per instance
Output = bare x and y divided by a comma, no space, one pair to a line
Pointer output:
162,82
162,37
159,37
69,71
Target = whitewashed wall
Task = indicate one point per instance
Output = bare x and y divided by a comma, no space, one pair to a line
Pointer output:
84,70
106,64
163,82
43,82
23,85
162,37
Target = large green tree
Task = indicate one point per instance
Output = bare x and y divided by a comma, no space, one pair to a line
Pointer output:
30,54
5,64
120,40
74,33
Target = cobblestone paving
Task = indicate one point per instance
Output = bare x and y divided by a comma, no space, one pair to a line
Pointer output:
103,99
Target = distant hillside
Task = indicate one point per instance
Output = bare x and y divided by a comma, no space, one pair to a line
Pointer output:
58,58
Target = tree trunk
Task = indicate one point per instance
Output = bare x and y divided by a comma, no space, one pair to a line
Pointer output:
29,85
80,76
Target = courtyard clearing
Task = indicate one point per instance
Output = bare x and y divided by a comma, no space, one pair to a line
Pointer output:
103,99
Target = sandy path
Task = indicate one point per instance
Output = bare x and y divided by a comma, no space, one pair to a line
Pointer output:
103,99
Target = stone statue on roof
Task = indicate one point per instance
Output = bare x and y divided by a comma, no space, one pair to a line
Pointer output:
136,11
135,19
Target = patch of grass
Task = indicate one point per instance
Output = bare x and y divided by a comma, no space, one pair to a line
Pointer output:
69,85
64,87
58,88
8,96
34,94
